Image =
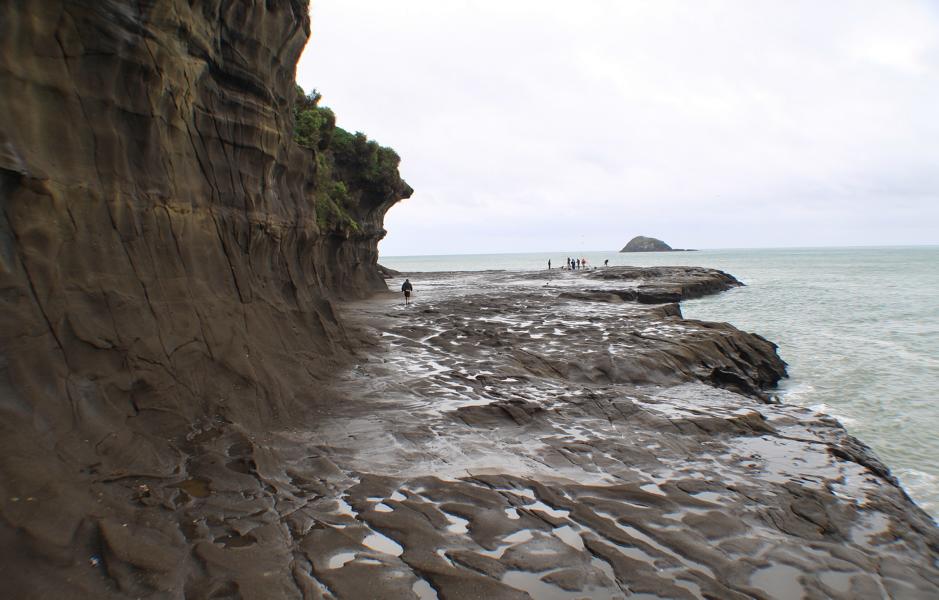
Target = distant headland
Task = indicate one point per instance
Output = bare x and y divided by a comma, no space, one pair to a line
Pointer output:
641,243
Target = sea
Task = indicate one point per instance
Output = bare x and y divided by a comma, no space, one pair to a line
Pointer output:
859,328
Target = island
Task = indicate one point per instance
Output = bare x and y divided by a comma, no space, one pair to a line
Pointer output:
641,243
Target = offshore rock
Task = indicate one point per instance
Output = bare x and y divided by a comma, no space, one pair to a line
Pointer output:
641,243
166,295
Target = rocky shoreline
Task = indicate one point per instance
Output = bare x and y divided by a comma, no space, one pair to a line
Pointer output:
519,434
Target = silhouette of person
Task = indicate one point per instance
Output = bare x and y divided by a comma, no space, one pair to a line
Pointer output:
407,288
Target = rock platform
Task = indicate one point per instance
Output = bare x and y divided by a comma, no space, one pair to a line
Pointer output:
509,435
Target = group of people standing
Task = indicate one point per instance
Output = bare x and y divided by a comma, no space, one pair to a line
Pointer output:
576,263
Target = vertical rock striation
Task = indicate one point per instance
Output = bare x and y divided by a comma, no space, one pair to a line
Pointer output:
164,277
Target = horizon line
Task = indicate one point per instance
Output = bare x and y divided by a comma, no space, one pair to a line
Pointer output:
881,246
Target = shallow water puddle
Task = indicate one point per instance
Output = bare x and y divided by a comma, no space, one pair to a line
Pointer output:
687,562
339,560
442,553
638,535
532,583
527,493
382,543
635,553
868,527
554,512
840,582
424,590
457,524
783,460
519,537
782,580
605,568
344,508
691,586
570,537
708,496
652,488
578,433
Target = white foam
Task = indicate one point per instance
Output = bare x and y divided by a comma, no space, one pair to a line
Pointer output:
825,409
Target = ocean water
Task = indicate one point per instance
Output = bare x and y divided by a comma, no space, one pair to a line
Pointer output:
859,328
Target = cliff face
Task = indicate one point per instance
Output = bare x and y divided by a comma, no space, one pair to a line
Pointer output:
165,274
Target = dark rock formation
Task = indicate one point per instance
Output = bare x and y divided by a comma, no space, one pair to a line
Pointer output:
166,295
664,285
641,243
387,273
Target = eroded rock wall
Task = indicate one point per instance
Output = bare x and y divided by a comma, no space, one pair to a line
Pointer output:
162,273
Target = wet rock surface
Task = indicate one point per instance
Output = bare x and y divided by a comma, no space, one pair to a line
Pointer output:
521,438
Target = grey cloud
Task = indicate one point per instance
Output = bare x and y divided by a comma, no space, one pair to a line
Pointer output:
537,125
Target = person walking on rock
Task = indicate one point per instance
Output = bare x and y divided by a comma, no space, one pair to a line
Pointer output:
407,288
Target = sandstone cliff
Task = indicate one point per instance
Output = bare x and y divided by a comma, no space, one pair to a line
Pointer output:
166,275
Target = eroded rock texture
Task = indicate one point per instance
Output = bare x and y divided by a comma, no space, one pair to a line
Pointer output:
163,279
517,438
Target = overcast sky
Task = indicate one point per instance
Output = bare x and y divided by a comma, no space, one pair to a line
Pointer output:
548,125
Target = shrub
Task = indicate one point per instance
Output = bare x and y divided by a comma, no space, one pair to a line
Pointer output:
344,161
331,208
313,125
375,163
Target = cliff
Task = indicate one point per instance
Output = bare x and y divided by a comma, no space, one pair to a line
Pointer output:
169,260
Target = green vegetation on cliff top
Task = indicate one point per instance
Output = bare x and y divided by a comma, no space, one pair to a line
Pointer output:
347,164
